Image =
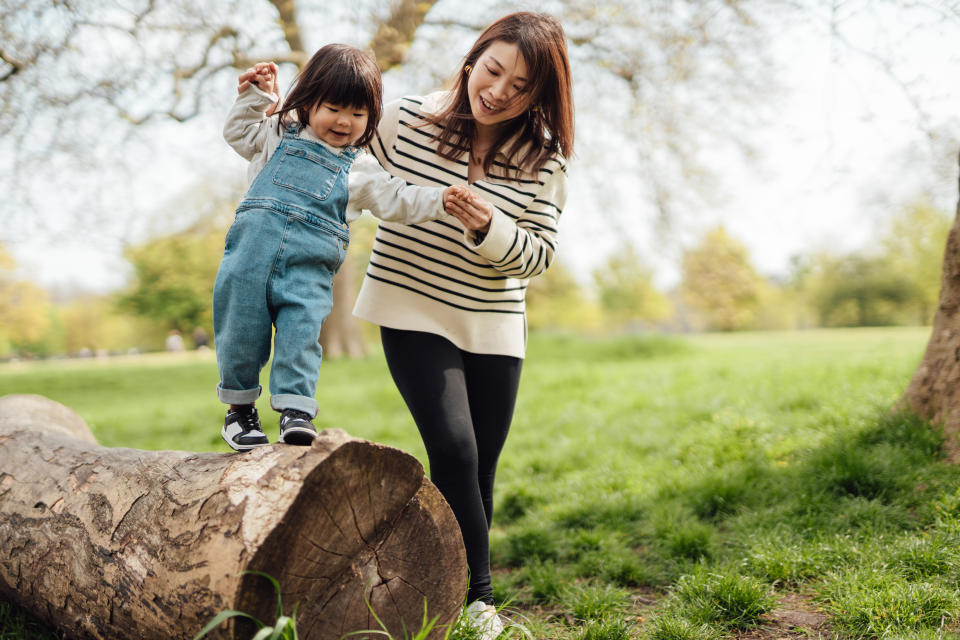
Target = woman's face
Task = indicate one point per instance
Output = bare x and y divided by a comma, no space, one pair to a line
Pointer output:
497,85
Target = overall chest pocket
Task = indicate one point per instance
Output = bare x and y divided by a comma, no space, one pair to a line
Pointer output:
306,172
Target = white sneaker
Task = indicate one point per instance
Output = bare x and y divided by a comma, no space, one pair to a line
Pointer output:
484,618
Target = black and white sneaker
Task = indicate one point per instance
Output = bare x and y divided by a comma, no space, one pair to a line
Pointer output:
241,429
296,427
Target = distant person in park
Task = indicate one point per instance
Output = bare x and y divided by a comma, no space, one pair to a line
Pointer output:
290,233
449,294
174,341
200,339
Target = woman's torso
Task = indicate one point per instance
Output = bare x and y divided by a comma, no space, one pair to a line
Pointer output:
424,277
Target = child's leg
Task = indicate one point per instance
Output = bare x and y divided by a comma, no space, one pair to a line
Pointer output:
301,297
241,318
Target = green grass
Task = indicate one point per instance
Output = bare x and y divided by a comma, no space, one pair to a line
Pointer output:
710,473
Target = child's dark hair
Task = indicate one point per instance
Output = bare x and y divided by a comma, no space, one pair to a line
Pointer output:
342,75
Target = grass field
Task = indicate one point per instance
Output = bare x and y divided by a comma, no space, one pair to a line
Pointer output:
751,485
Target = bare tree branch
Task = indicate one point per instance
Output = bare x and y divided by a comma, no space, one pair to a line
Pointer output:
16,65
395,34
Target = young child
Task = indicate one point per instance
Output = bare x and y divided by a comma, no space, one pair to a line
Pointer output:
290,234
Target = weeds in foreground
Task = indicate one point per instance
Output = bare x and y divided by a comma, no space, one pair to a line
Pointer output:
285,627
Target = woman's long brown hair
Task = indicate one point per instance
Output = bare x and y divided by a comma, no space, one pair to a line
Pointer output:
546,128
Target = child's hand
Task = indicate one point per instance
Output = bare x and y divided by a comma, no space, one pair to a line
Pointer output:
471,210
262,74
454,192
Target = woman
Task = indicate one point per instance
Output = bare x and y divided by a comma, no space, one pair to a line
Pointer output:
449,295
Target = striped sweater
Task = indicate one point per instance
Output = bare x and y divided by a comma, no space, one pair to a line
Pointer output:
436,276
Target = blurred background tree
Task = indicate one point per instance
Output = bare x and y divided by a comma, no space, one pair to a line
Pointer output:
557,301
24,309
914,247
720,284
628,296
174,275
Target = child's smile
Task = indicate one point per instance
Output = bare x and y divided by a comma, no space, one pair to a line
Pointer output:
337,125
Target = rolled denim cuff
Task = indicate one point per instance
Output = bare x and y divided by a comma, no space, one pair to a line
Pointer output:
238,396
282,401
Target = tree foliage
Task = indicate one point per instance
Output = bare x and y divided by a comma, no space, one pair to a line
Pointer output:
174,276
624,284
720,284
24,309
555,300
913,247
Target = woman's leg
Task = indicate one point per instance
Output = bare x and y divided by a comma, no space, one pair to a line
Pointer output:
429,373
492,383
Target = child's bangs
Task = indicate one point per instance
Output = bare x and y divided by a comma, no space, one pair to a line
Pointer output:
346,88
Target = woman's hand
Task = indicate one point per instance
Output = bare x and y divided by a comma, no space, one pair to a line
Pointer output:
471,210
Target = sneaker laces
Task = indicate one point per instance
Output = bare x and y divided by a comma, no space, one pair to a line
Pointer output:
292,414
247,419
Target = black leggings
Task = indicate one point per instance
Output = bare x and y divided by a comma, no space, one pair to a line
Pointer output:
462,403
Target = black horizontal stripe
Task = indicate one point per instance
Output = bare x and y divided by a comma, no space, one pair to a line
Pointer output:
409,250
437,274
426,148
441,300
437,288
460,177
545,214
462,257
424,227
549,204
535,226
518,205
506,255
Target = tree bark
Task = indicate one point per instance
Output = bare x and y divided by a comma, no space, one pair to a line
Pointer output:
934,390
123,543
341,334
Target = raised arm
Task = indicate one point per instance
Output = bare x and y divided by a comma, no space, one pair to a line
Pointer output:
246,129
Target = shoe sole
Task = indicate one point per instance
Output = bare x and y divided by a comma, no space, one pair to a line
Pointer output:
239,447
298,436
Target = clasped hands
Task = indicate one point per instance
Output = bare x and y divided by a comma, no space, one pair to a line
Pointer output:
471,210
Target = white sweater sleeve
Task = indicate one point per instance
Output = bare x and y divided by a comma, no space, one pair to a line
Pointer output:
524,246
388,197
248,130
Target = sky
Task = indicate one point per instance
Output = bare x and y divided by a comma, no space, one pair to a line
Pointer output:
834,148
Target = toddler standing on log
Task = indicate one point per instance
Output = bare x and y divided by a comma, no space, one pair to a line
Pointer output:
291,231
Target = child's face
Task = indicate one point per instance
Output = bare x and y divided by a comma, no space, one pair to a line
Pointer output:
338,125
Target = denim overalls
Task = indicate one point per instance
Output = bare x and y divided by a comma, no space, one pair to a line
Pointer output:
286,243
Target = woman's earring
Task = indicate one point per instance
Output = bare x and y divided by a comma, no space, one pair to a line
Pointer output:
467,69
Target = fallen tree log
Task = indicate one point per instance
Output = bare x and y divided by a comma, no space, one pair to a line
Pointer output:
123,543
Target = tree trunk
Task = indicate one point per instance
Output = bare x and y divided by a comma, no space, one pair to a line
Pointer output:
123,543
341,334
934,391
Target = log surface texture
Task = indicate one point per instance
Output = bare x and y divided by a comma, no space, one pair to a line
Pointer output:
124,543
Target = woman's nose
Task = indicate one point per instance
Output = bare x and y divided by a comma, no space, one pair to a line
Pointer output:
501,89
